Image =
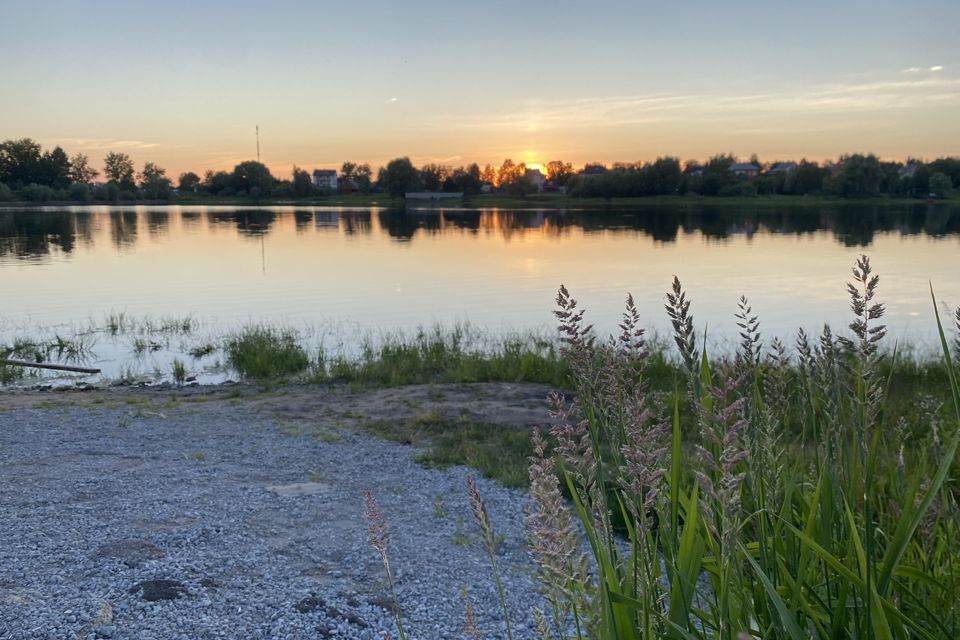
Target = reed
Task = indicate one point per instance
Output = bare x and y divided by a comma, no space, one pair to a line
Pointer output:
769,496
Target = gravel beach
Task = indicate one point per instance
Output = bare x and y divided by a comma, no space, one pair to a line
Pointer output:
225,514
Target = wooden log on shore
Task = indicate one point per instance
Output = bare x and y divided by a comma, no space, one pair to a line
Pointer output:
48,365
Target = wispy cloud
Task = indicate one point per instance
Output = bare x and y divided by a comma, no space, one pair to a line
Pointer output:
938,67
94,144
391,100
819,100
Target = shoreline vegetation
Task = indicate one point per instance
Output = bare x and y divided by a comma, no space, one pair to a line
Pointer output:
28,173
495,201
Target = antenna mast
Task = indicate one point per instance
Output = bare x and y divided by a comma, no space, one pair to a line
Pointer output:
258,143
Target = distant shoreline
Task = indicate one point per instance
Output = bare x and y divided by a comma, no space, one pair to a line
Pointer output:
532,202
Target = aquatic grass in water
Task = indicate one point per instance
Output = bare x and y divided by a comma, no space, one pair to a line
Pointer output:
265,352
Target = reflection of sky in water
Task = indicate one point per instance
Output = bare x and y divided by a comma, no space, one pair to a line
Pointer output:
380,270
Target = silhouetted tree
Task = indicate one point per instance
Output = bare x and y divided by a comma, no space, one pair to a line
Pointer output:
154,182
302,184
80,170
250,175
399,176
20,162
118,169
188,182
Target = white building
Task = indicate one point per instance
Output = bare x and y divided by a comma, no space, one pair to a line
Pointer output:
325,179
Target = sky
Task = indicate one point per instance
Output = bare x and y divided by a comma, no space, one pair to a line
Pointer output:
184,84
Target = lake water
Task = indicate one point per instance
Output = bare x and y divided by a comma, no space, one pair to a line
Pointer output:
344,271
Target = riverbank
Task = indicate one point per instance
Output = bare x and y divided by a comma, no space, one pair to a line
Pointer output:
536,201
231,513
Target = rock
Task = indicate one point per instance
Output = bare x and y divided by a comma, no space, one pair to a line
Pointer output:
155,590
299,488
132,552
310,603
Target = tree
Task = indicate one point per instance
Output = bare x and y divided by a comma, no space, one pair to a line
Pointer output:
433,176
464,180
489,174
20,162
363,176
118,168
559,172
399,177
302,184
940,184
188,182
860,175
348,170
251,175
154,182
55,169
509,172
80,170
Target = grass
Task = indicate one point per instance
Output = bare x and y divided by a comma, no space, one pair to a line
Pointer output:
498,451
760,495
441,355
266,353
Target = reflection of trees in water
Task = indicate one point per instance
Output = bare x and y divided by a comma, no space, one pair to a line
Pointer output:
190,218
403,225
31,235
252,222
357,223
123,228
302,220
158,223
36,234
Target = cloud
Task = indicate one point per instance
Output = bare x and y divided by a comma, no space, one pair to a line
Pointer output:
912,70
391,100
111,143
788,102
938,67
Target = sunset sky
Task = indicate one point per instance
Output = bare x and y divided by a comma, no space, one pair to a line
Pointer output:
184,83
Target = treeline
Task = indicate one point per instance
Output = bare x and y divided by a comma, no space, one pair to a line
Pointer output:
854,175
28,172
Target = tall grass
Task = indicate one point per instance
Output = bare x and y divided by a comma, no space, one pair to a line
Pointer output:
266,352
799,506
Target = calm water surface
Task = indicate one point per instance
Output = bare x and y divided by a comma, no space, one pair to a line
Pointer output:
375,269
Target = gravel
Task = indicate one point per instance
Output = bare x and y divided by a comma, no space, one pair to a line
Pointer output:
213,521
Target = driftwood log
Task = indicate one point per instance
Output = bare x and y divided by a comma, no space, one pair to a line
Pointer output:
48,365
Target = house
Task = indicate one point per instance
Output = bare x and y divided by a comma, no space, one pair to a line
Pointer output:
782,167
906,171
325,179
592,170
348,186
536,178
745,169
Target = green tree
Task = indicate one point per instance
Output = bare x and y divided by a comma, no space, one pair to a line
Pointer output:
860,175
188,182
399,177
55,168
302,183
154,182
363,176
940,184
80,170
433,176
251,175
20,162
118,169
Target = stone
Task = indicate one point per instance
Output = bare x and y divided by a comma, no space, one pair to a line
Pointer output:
155,590
132,552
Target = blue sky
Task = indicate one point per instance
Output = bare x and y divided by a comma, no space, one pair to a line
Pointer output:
184,83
